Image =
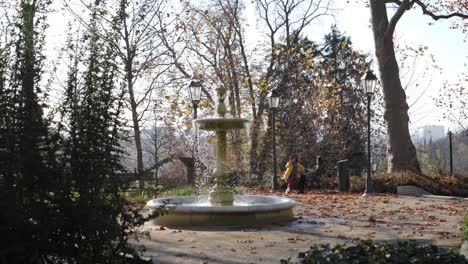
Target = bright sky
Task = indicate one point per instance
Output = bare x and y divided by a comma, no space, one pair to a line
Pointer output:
447,45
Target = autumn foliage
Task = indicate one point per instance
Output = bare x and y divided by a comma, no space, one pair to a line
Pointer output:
449,185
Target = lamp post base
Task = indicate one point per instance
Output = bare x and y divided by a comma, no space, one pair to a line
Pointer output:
367,193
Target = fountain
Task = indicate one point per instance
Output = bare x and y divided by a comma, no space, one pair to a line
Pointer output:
221,206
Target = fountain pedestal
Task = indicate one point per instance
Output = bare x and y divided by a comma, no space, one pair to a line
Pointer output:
221,196
220,193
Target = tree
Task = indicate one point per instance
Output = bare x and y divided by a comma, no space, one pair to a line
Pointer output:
160,145
343,126
60,195
284,22
453,99
94,221
27,177
142,53
401,153
324,113
216,46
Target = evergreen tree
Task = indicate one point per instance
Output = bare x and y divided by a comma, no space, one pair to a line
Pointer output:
26,166
97,214
344,122
60,197
320,98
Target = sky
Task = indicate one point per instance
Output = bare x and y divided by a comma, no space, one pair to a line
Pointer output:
353,19
445,44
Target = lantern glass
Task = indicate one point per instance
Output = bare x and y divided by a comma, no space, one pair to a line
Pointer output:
195,87
369,82
273,99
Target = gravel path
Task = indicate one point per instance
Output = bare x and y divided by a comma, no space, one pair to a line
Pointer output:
319,218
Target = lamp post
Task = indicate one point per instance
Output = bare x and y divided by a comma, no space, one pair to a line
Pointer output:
273,101
450,134
155,146
368,82
195,87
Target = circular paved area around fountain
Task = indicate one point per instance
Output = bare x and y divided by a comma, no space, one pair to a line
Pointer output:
319,218
195,211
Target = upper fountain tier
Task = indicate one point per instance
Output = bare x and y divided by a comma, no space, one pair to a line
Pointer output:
221,123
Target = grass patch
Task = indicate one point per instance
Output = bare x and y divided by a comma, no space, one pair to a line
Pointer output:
135,195
179,191
151,192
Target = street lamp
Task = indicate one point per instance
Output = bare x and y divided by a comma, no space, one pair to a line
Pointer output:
369,82
450,134
195,87
273,101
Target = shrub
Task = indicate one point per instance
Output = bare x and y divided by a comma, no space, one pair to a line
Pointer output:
357,184
328,182
449,185
382,253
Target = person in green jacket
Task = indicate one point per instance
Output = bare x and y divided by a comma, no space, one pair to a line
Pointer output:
293,169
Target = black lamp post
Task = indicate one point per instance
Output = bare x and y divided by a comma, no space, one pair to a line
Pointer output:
195,87
450,134
273,101
155,146
368,82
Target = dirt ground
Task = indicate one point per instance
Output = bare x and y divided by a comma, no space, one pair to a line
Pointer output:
319,218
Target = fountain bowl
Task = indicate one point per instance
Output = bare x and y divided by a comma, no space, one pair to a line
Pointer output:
221,123
185,211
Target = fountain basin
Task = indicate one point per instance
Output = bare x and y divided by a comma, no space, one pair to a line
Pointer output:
221,123
247,210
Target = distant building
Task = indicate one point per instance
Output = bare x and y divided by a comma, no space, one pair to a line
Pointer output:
434,132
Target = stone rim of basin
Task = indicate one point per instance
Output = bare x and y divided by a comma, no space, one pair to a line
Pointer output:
256,203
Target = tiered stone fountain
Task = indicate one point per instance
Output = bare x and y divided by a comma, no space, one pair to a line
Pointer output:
221,206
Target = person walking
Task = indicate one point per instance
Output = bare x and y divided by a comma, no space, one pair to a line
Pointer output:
293,169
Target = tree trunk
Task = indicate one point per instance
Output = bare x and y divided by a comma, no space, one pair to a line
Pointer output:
401,153
136,126
128,59
253,157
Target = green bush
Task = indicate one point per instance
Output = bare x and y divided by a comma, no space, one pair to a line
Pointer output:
382,253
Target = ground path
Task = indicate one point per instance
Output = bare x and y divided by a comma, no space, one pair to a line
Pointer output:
351,217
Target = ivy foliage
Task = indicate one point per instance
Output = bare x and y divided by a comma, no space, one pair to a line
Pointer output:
386,252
